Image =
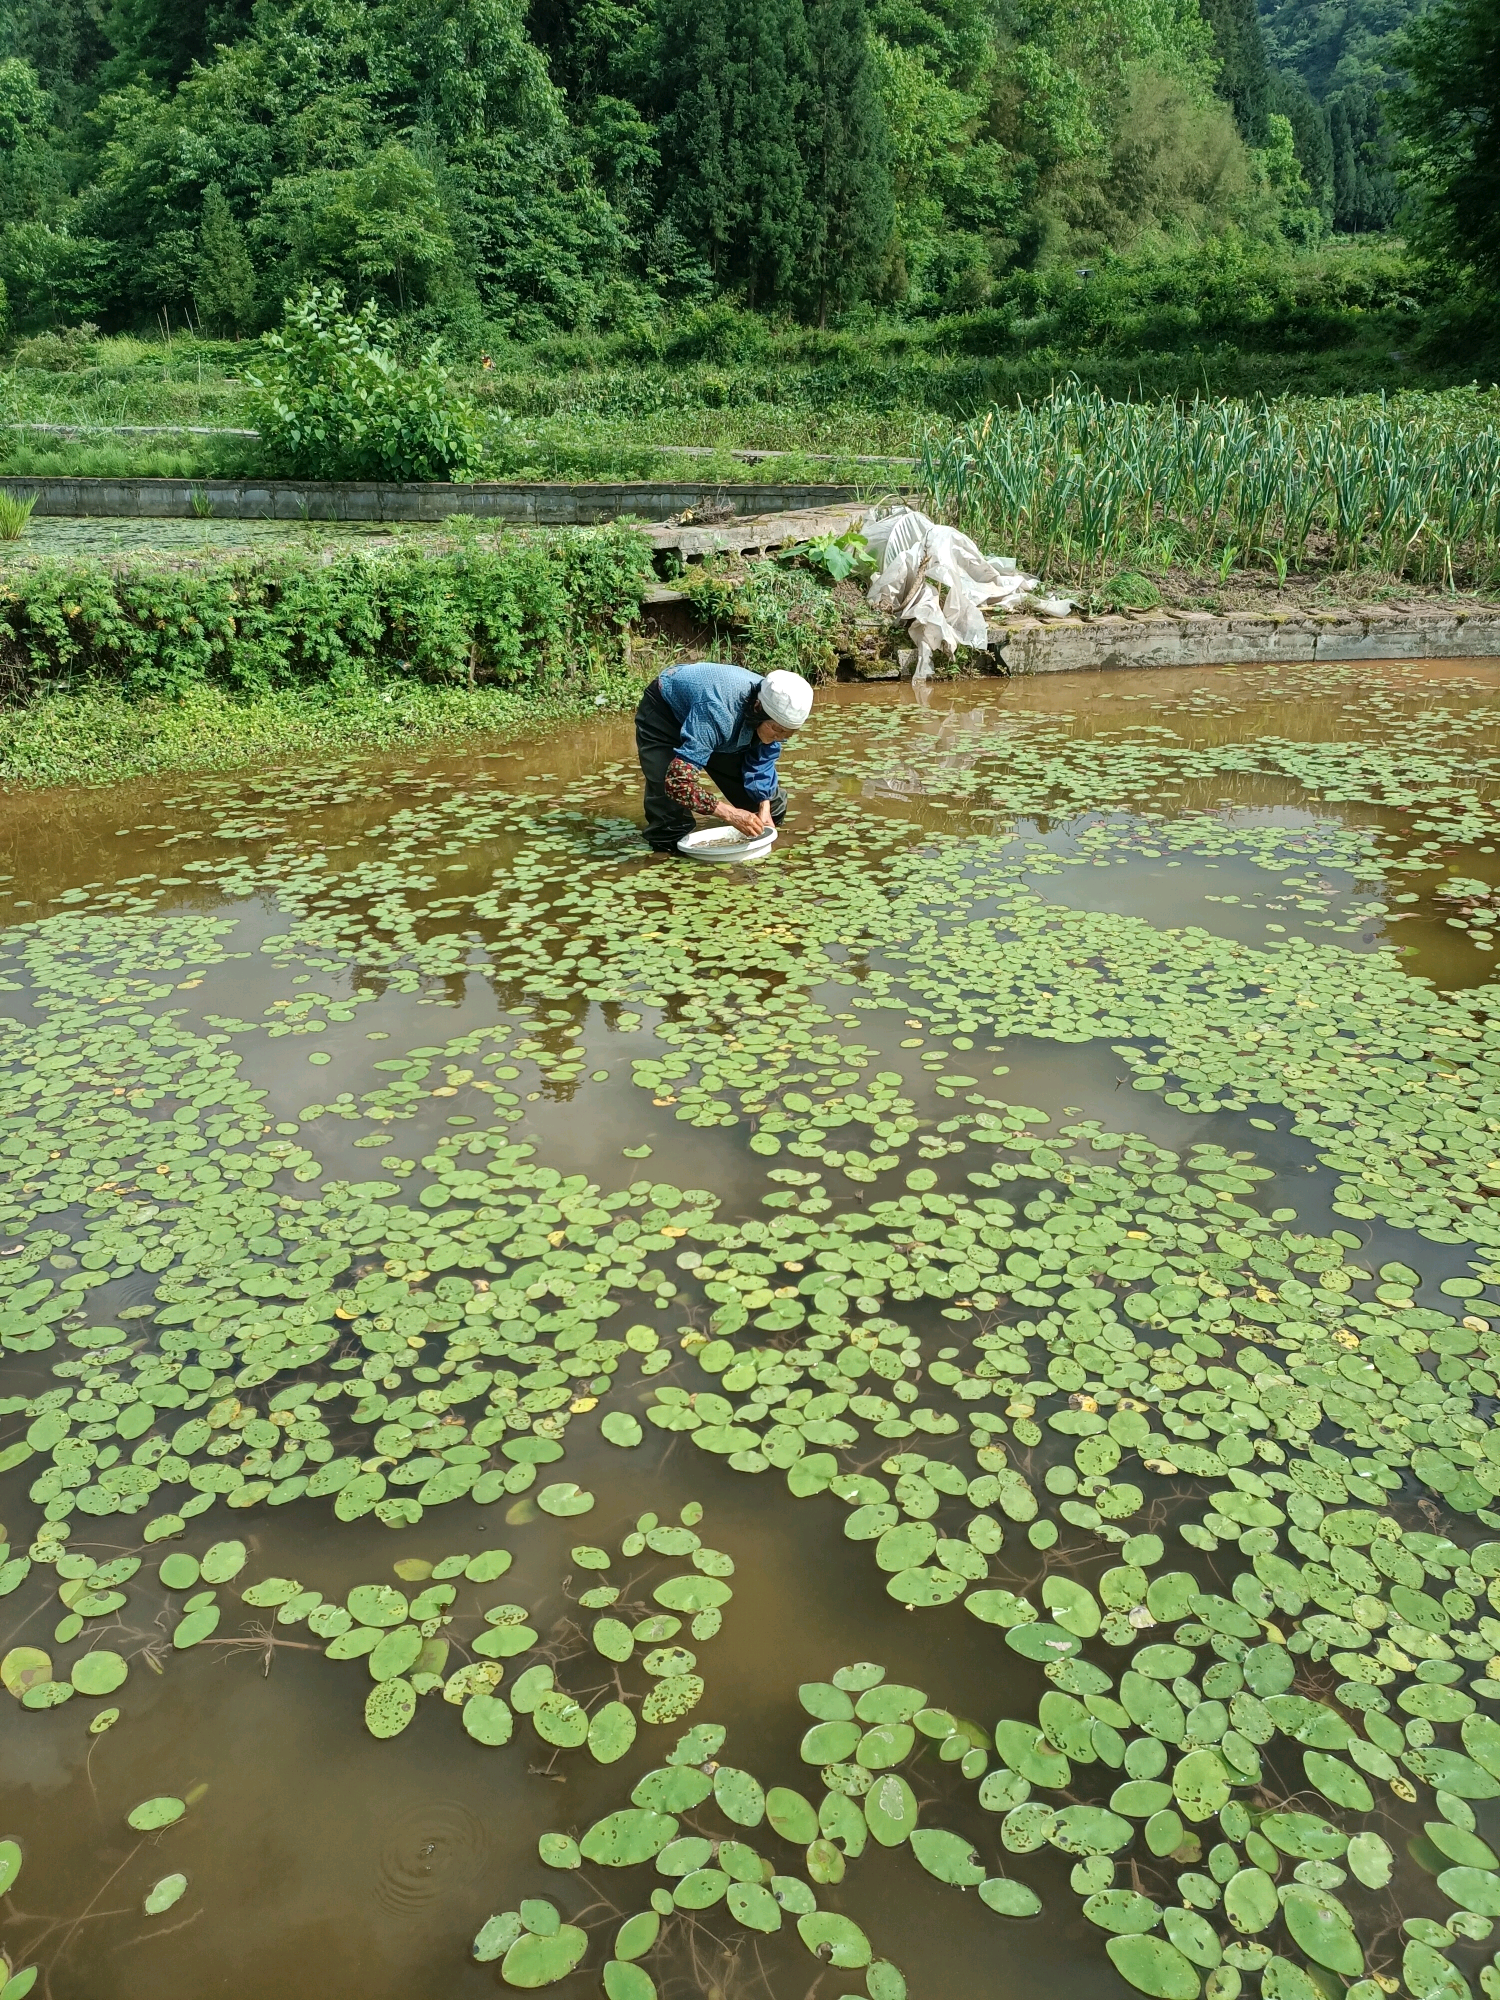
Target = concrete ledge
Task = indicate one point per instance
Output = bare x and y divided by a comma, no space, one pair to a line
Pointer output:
1198,639
541,506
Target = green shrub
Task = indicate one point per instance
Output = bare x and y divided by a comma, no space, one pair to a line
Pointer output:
335,401
525,613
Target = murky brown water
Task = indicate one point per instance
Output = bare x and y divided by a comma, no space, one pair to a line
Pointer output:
321,1859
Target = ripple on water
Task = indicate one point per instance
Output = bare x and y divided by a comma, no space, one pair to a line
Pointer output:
431,1848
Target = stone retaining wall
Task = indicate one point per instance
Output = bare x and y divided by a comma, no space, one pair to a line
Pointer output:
531,505
1415,631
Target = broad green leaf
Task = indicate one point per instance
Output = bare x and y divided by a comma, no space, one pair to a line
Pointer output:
1154,1966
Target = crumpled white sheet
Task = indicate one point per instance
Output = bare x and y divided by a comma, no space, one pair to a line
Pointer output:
934,581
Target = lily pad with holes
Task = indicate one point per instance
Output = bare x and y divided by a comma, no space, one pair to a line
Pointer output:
151,1815
223,1562
835,1939
948,1856
753,1905
1370,1860
622,1839
389,1707
377,1604
1124,1912
1475,1889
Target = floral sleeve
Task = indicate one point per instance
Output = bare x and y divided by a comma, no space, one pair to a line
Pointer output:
685,787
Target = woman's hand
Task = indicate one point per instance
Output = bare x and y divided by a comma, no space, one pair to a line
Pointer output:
748,824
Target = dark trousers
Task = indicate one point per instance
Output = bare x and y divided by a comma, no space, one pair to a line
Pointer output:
657,731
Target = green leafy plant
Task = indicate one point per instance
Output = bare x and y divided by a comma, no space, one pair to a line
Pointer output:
777,616
334,400
839,556
15,511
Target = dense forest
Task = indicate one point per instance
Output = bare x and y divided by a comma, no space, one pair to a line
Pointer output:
482,169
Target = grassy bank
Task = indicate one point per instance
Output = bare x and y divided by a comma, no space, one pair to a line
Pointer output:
95,737
109,670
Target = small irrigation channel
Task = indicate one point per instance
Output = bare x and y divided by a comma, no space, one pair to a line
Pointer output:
915,1419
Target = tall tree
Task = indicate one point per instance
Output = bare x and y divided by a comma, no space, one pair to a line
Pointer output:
1291,99
1449,121
735,74
225,292
1244,79
849,206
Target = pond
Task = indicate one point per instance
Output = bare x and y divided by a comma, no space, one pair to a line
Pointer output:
916,1418
63,535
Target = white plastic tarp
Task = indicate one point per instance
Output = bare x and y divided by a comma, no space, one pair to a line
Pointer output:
934,581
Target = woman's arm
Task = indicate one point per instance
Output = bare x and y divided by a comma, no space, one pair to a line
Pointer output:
685,787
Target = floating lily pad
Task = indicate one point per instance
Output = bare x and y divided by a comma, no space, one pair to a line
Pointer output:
151,1815
1154,1966
535,1960
99,1673
389,1707
164,1894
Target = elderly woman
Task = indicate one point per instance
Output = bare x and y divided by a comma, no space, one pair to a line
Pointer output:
722,721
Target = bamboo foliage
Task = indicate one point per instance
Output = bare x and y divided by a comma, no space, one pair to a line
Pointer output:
1408,484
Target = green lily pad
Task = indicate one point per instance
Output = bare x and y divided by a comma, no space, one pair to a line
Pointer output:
1250,1901
739,1796
1193,1936
26,1667
389,1707
153,1814
541,1961
1125,1912
1009,1898
377,1604
891,1809
164,1894
1339,1782
628,1982
790,1815
223,1562
1153,1966
611,1732
948,1856
488,1719
753,1905
560,1720
99,1673
1072,1605
1475,1889
395,1653
10,1864
1370,1860
1323,1928
179,1571
564,1499
637,1935
837,1939
621,1839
